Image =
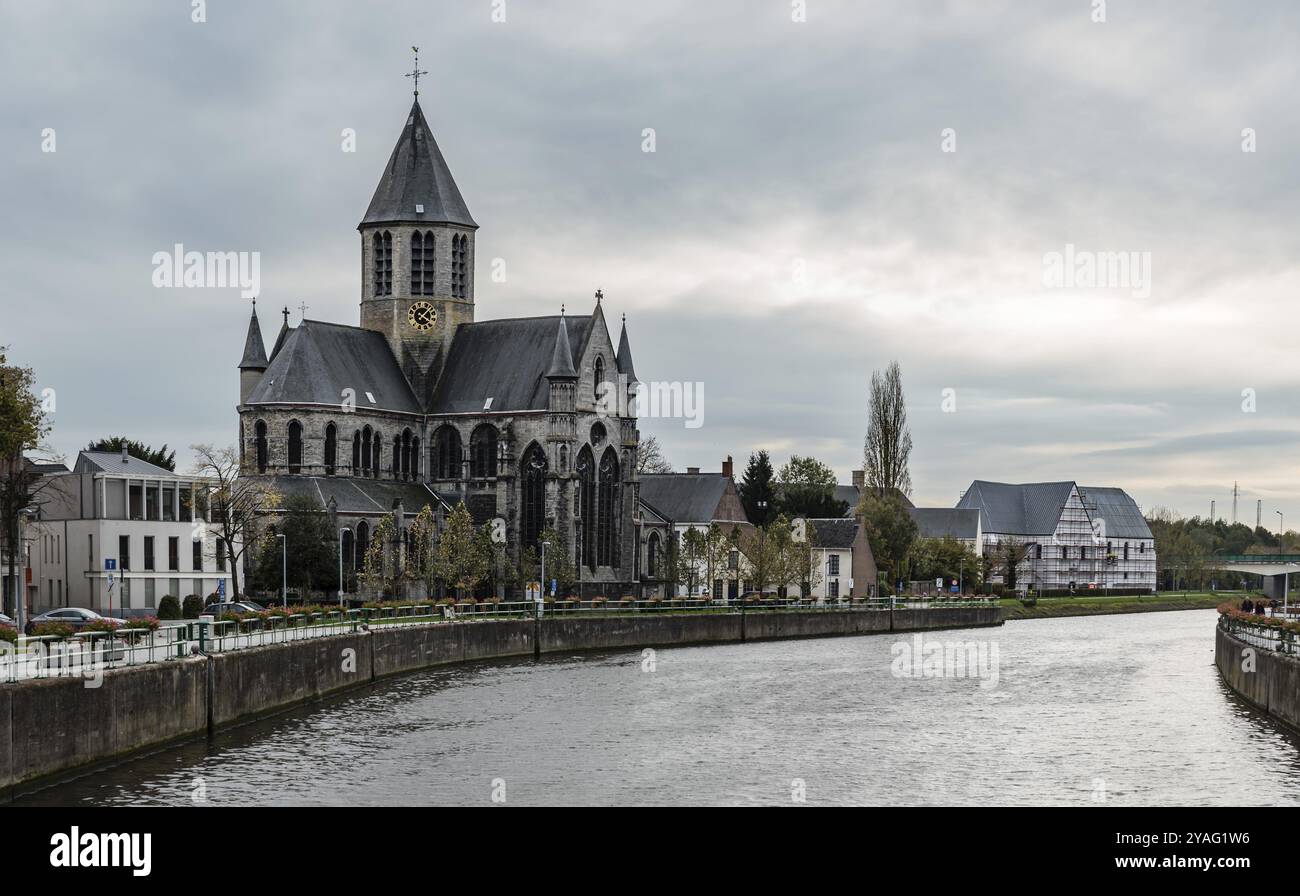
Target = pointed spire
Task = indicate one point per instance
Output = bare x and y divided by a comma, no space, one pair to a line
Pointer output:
562,356
284,333
417,184
624,356
254,348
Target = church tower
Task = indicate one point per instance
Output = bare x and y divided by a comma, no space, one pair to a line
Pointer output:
417,256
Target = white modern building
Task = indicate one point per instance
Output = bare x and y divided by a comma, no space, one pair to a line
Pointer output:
151,526
1078,537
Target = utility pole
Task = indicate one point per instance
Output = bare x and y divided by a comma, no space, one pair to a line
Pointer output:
1211,511
1234,503
1259,511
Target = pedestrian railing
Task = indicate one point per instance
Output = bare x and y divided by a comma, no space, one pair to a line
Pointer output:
90,653
1261,634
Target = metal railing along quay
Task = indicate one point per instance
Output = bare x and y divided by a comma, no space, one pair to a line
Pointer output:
89,653
1263,635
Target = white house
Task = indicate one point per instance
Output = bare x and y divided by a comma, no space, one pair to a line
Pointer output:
1078,537
152,525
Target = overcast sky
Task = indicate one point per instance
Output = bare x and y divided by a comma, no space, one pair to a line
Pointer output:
798,225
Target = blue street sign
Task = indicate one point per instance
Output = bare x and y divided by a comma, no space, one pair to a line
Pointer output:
110,564
221,587
552,587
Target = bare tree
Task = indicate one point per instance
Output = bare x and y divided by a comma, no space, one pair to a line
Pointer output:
650,457
238,502
889,442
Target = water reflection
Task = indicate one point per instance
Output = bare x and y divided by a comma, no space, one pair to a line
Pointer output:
1128,709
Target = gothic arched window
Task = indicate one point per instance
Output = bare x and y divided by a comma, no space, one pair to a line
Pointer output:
533,500
397,457
379,447
446,453
348,551
295,447
483,452
356,453
597,380
382,245
652,556
585,467
406,454
259,435
363,542
607,511
365,451
331,449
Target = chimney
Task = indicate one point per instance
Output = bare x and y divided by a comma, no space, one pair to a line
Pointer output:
124,454
726,467
859,479
692,469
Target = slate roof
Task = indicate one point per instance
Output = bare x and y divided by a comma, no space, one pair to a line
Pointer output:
505,360
1030,509
851,495
1123,518
254,350
562,355
684,497
318,360
111,462
356,495
624,356
417,174
833,533
941,522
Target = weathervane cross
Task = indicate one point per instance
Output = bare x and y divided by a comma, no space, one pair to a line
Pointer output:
415,74
302,307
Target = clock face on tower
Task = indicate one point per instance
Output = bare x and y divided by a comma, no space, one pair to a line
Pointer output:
422,316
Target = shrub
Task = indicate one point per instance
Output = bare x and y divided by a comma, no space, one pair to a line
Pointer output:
8,633
142,623
193,607
102,625
52,629
169,608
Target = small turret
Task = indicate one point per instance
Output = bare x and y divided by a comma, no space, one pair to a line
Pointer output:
563,379
254,361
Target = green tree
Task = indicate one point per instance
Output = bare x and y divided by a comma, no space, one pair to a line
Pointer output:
310,562
23,428
559,562
421,535
758,489
692,546
944,558
890,530
380,568
159,457
459,560
1011,552
888,443
806,488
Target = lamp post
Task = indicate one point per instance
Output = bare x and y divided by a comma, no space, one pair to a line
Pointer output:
341,531
541,593
1280,521
284,571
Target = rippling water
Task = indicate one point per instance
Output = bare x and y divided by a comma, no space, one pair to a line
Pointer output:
1126,707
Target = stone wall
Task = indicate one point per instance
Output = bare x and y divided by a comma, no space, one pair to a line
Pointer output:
1267,680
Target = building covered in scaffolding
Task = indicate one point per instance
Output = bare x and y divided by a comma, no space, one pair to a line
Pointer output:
1075,537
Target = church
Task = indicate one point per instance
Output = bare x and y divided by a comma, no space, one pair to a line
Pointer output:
423,404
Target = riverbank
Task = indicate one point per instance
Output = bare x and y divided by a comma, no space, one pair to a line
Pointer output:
1057,607
1263,677
51,728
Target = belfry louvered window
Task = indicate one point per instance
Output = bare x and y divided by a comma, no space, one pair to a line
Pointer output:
422,263
383,263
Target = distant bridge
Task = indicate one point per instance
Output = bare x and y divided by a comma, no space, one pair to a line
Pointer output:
1275,568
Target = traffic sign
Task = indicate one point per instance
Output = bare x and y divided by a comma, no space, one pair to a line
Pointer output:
110,564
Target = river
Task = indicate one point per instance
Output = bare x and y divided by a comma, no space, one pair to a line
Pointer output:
1117,710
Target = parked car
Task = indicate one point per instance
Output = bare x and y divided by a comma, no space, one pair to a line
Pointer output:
232,606
77,617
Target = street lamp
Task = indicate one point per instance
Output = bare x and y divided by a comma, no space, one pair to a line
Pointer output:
341,531
284,571
541,593
1280,520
